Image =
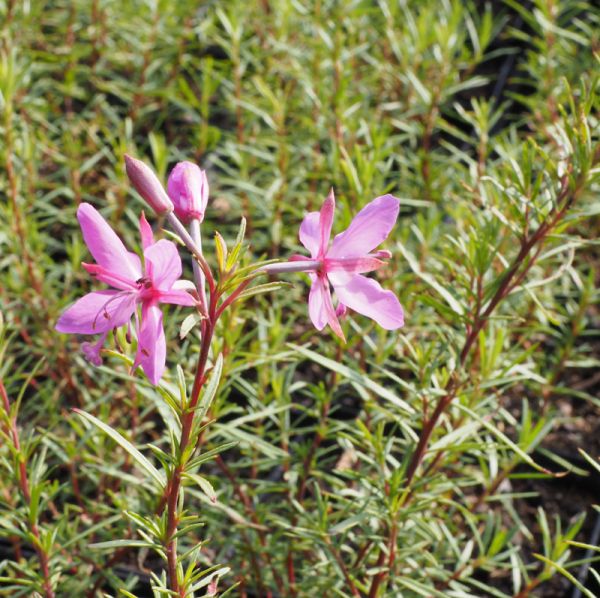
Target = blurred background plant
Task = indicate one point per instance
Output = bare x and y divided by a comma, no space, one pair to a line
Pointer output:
416,464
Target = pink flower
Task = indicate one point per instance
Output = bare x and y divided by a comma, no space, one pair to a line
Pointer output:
343,262
188,190
158,282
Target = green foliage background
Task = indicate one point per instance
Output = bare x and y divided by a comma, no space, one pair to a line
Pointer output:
482,120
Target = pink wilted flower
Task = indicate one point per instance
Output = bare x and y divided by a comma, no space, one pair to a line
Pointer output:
342,264
157,282
188,190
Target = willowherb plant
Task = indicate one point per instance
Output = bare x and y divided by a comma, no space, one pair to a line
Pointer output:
219,444
139,289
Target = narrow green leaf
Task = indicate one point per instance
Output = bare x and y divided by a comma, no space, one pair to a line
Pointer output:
353,376
210,390
263,288
188,324
566,574
204,485
431,281
221,252
112,544
144,464
516,448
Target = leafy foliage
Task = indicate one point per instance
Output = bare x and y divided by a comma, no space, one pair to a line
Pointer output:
389,466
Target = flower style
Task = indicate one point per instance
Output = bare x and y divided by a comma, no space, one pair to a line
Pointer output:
343,263
158,282
188,189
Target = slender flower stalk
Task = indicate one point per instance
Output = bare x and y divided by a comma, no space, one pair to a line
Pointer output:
199,277
194,249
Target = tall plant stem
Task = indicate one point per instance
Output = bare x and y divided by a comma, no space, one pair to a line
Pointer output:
529,251
174,483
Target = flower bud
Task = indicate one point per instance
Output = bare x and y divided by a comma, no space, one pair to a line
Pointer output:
146,183
188,189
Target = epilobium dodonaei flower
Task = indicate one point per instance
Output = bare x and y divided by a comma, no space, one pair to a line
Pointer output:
188,190
146,183
343,263
156,282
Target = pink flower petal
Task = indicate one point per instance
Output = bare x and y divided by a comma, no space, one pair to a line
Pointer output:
104,244
368,229
176,297
184,285
163,264
326,221
152,347
352,265
310,233
136,261
108,277
316,303
366,296
315,229
146,232
320,307
97,312
91,351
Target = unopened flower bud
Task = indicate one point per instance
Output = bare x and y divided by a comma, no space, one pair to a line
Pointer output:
188,189
146,183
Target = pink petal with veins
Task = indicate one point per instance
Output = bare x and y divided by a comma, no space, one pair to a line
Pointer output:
104,244
108,277
366,296
135,260
152,347
310,233
163,264
177,298
97,312
315,229
368,229
326,222
352,265
146,232
316,303
320,306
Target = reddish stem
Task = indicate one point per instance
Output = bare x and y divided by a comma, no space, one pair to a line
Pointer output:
174,485
512,278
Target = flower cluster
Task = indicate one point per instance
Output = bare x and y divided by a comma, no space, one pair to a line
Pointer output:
138,287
